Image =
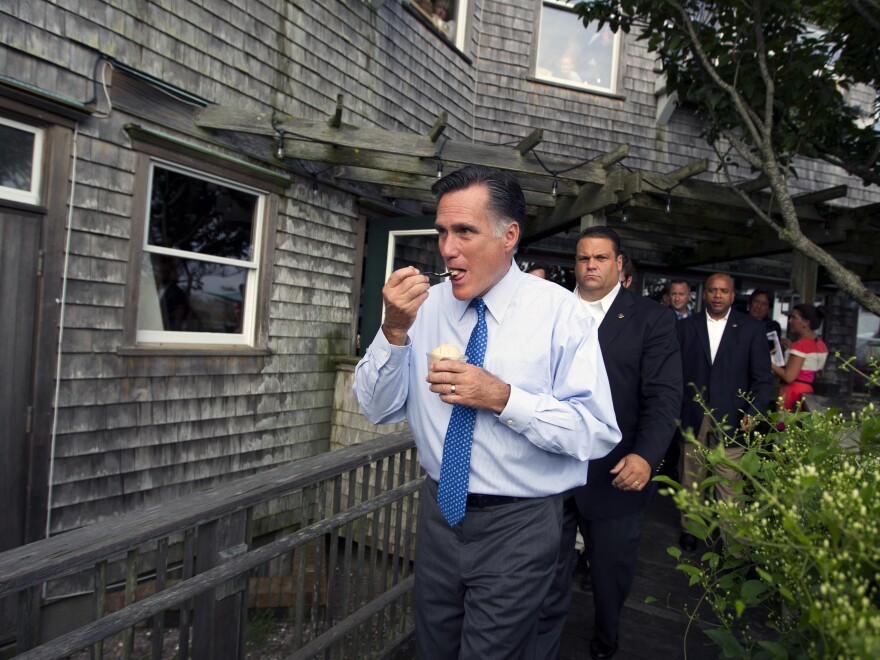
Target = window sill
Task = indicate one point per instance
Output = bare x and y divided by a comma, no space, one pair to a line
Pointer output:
187,350
586,90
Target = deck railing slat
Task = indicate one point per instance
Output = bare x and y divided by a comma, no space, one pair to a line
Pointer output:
72,551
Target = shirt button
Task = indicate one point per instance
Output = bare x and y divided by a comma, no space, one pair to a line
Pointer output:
510,422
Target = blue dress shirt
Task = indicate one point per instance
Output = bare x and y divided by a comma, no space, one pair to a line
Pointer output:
543,344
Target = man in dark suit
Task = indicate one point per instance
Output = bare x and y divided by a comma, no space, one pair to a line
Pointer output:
724,352
641,355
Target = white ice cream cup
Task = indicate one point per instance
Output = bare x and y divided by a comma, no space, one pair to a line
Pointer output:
432,358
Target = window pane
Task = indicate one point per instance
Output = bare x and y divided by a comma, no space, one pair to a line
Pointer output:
201,216
17,162
570,53
187,295
419,250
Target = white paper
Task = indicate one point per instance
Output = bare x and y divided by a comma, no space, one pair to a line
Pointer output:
776,355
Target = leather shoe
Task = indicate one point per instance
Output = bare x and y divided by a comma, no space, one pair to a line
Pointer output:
599,651
687,542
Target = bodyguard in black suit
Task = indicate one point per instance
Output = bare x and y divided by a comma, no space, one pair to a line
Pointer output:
641,355
740,363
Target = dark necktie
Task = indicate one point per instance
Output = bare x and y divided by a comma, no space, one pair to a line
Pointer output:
455,466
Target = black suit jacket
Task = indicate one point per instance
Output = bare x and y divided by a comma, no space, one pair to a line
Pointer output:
641,354
742,364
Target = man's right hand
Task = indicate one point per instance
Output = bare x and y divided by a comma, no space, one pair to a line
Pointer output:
404,293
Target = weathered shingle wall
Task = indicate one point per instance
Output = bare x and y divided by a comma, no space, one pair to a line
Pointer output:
136,429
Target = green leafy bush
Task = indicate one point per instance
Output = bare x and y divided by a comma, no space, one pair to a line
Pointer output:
793,569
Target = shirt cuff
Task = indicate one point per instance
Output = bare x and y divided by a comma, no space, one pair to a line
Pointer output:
518,413
384,352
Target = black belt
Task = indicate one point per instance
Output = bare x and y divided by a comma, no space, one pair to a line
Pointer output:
475,500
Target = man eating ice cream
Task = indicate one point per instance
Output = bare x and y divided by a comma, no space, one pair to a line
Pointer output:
501,435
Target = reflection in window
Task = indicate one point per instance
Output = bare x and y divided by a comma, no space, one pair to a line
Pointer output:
446,15
198,273
574,55
21,161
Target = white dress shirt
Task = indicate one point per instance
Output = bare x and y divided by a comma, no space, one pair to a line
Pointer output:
599,308
542,344
716,329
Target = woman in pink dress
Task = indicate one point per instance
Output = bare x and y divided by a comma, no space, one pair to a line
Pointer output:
805,358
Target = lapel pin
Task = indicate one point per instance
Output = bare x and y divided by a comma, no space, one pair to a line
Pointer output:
620,316
734,325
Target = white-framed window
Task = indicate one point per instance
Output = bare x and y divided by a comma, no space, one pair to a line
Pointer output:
570,54
22,161
413,247
448,16
200,264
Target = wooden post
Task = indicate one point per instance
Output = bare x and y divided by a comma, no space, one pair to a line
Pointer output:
219,613
803,276
27,633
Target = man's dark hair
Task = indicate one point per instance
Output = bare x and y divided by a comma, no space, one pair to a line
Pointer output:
506,200
680,282
760,292
603,232
538,265
629,269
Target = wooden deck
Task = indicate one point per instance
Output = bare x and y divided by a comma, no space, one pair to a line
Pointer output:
648,630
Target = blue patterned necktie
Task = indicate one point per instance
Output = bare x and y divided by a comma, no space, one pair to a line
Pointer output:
455,467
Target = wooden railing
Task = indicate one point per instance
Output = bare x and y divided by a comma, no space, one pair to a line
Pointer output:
324,544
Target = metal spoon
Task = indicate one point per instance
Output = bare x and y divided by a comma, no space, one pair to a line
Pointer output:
448,273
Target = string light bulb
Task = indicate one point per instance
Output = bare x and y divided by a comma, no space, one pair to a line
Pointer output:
439,169
750,221
555,187
314,185
668,203
279,147
625,217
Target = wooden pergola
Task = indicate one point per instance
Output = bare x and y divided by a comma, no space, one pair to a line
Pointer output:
678,221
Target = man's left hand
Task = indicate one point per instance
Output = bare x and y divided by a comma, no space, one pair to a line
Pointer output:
633,473
468,385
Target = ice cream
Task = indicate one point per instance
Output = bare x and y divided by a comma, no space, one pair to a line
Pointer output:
445,352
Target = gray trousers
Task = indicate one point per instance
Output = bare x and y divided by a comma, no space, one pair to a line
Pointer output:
480,586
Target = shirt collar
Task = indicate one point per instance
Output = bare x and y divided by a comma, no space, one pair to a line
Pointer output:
497,298
721,320
605,302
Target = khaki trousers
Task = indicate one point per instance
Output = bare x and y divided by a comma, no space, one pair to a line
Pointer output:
692,471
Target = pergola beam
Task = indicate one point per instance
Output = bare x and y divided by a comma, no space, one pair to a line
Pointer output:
335,120
530,142
614,156
568,211
690,170
820,196
754,185
439,126
706,222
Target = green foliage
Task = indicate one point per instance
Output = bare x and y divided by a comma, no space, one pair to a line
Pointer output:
793,569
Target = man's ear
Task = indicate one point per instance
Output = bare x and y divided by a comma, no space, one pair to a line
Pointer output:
511,235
